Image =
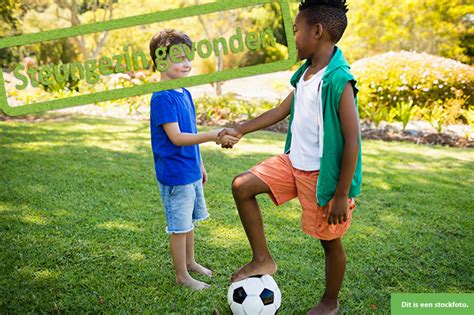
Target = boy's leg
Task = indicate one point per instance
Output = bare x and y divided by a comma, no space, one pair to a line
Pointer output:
179,202
244,189
190,261
315,224
335,259
178,253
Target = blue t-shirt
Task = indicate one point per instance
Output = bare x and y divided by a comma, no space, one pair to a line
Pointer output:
174,165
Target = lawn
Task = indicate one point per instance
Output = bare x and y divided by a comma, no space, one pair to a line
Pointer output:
82,226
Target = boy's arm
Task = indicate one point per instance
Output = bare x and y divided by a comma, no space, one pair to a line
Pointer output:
181,139
350,130
266,119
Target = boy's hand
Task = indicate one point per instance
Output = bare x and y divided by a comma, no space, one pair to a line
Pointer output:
228,132
227,141
204,174
336,211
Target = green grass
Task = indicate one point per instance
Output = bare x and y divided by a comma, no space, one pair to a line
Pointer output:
82,226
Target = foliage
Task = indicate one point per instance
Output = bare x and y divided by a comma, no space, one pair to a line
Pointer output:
440,27
437,27
404,112
7,8
81,87
229,108
8,17
261,18
407,85
54,52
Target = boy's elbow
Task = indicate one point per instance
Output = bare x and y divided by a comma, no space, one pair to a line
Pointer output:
352,141
176,140
176,143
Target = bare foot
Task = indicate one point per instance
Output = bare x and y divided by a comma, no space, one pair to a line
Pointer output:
325,308
193,283
200,269
254,268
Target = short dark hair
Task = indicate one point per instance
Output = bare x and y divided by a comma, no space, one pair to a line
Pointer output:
165,39
331,14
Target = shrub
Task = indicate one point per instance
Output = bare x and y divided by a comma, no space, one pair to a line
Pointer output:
229,108
406,85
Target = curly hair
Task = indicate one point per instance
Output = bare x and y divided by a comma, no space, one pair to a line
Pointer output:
331,14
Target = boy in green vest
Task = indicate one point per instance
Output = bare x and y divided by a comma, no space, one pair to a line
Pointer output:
321,165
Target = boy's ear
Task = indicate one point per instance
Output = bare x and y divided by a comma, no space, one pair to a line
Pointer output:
317,31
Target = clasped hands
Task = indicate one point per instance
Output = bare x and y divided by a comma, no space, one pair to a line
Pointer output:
228,137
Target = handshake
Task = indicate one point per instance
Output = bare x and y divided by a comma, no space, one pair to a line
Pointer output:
228,137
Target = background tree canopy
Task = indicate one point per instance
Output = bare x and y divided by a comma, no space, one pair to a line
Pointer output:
428,29
437,27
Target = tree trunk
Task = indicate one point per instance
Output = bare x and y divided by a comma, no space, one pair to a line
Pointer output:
220,65
80,40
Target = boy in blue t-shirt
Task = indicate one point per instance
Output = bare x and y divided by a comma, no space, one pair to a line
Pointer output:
178,163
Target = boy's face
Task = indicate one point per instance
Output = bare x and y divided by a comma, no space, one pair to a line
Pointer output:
307,38
177,70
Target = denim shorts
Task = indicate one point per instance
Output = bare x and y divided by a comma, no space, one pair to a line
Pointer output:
184,204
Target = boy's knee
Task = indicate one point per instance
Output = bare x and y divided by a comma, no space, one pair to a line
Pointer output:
332,245
238,186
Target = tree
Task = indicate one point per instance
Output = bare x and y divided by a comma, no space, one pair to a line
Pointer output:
433,26
218,25
75,10
7,8
261,18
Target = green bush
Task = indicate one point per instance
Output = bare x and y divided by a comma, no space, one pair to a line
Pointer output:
229,108
403,86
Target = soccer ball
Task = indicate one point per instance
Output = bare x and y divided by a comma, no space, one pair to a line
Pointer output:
257,295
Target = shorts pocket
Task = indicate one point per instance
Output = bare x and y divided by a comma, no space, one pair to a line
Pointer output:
172,190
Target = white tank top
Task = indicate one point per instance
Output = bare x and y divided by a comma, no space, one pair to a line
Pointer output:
307,127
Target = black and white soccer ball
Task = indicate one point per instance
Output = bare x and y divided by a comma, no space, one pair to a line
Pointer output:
257,295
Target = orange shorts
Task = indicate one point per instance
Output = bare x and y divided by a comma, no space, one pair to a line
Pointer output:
287,182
